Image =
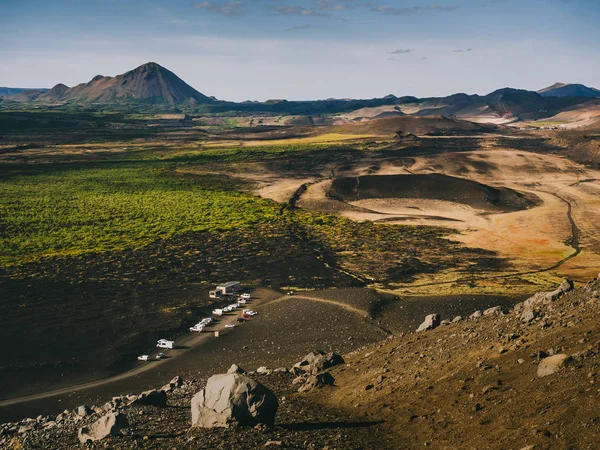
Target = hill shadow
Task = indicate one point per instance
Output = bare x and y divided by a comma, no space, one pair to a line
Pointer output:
310,426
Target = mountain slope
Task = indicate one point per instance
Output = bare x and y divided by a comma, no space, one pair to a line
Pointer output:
20,94
476,384
149,83
569,90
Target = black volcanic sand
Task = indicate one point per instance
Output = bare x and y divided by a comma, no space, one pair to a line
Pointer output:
365,299
434,187
279,336
406,314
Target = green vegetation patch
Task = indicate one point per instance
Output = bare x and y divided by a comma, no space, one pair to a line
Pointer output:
74,210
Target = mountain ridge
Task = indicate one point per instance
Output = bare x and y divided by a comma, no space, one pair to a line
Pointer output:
569,90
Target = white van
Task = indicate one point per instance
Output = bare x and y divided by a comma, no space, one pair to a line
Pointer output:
163,343
218,312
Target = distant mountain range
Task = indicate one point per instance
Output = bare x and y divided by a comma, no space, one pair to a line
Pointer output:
153,85
569,90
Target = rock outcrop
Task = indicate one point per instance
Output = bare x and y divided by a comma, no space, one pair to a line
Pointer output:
231,399
529,309
316,362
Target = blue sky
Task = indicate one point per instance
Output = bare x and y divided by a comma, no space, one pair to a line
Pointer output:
306,49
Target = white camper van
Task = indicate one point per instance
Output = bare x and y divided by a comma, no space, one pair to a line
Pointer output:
163,343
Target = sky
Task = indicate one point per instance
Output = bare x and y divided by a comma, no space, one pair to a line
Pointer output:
306,49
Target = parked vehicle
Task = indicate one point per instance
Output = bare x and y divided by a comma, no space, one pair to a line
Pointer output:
230,325
143,357
164,343
240,320
245,297
218,312
197,328
241,301
250,312
160,356
206,320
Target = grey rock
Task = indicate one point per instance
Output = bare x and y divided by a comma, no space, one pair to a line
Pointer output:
493,311
152,398
431,321
175,383
109,425
83,411
316,362
552,364
476,315
317,381
527,315
233,399
235,369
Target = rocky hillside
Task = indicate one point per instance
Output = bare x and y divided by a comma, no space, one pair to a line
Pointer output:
524,378
148,84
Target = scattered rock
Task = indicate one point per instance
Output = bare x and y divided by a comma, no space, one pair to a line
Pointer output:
235,369
317,381
316,362
475,315
457,319
431,321
175,383
263,371
83,411
152,398
552,364
528,315
110,424
493,311
233,398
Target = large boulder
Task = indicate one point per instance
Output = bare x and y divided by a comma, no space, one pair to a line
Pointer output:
552,364
152,398
233,399
316,362
431,321
108,425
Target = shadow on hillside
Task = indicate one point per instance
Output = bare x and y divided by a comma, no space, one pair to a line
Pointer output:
309,426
